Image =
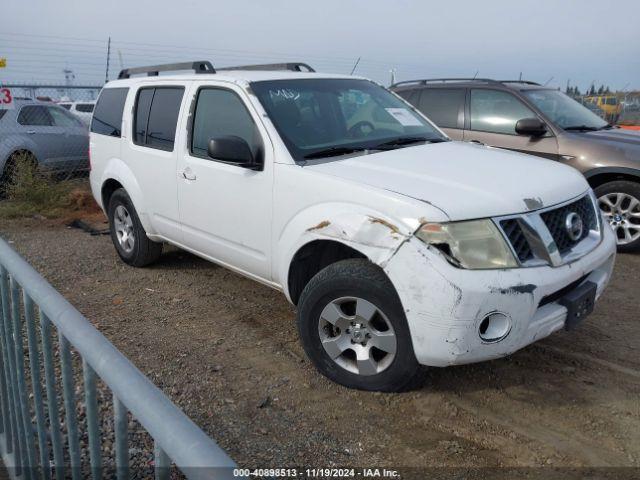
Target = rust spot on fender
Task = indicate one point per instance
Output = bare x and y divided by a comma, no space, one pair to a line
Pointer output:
320,226
382,221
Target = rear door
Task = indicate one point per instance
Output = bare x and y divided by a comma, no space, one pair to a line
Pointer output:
444,107
152,156
493,115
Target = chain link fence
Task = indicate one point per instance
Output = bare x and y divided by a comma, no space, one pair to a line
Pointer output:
45,128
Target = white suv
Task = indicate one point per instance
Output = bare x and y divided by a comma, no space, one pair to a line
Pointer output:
398,246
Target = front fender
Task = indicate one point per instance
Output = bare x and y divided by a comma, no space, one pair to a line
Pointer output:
119,171
369,232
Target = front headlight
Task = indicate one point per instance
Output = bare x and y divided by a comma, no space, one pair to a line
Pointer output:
475,244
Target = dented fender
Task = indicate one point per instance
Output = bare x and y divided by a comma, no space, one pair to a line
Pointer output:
371,233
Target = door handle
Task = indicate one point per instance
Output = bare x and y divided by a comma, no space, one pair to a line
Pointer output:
188,174
31,132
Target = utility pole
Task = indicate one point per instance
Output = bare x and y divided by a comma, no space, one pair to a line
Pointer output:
106,73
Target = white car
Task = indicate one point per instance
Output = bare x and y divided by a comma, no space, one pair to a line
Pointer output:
82,110
398,246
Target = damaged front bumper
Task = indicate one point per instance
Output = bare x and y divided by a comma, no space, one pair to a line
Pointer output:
445,305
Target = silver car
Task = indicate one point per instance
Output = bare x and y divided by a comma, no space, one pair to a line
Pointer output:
50,135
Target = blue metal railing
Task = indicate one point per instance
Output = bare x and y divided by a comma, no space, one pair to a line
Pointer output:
51,447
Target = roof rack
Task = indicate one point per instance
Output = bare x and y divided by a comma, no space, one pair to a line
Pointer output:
202,66
526,82
293,66
445,80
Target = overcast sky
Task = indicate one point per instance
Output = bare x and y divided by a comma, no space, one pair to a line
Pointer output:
581,41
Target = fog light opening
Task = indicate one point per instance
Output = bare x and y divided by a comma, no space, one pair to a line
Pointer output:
494,327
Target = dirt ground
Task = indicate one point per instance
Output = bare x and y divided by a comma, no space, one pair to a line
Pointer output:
225,349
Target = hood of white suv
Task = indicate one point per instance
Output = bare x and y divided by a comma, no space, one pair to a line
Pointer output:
466,181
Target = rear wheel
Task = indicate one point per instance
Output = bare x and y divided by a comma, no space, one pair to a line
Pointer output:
128,234
619,202
354,330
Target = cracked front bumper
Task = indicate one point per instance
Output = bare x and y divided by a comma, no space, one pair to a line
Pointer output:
444,305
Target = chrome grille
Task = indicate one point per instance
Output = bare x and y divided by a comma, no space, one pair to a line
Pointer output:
540,237
518,241
555,221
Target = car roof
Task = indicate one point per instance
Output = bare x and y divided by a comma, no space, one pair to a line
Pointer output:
233,76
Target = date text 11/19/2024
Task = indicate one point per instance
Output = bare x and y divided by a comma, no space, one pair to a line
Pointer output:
316,473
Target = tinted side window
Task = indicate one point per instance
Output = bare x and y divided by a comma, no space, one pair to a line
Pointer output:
34,115
221,112
410,96
85,107
62,118
497,112
107,118
159,131
443,106
141,117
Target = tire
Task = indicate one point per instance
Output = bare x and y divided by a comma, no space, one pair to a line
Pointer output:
136,249
619,201
350,285
10,167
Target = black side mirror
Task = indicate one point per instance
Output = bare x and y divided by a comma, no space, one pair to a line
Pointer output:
533,127
233,149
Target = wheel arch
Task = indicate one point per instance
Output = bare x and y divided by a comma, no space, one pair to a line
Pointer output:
317,238
600,176
117,174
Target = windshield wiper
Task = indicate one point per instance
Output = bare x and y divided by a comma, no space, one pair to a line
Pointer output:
402,141
581,128
333,152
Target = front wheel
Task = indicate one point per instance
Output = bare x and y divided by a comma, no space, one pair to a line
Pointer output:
619,202
354,330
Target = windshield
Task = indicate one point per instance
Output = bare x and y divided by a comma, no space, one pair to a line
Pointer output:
329,117
563,110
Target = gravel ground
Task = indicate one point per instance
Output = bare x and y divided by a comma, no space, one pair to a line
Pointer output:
225,349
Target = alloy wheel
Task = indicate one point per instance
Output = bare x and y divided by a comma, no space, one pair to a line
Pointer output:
357,335
622,211
123,224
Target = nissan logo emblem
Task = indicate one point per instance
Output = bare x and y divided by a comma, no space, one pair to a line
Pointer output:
573,226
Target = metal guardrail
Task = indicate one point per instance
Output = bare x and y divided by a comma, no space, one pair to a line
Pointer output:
26,451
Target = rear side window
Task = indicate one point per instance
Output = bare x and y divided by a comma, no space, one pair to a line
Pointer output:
107,118
219,113
85,107
62,118
443,106
156,117
34,115
410,96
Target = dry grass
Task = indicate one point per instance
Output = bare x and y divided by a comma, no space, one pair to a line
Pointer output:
30,192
